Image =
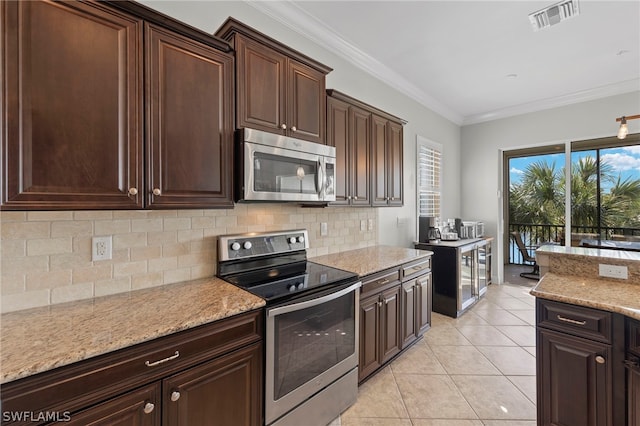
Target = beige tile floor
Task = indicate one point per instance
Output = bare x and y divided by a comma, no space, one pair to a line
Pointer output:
478,369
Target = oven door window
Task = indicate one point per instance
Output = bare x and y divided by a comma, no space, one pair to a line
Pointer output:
281,174
310,341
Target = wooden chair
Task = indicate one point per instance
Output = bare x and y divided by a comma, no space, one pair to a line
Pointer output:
528,255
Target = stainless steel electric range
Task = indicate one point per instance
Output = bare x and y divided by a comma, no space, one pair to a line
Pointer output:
311,350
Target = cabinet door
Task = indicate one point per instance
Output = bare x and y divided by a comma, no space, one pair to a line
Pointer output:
633,396
369,354
137,408
409,312
261,87
390,323
227,391
306,103
574,380
360,139
423,303
338,137
72,121
189,121
378,161
394,164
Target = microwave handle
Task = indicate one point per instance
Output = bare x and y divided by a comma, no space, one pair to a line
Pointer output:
321,180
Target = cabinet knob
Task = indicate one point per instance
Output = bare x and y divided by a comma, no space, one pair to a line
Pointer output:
175,395
156,191
379,303
393,198
355,197
133,191
600,359
293,128
283,126
349,197
148,408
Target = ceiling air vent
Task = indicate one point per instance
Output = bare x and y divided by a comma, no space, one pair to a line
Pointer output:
554,14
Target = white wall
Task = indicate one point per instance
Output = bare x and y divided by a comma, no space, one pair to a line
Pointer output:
345,77
481,144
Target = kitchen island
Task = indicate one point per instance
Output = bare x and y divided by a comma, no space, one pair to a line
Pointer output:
587,329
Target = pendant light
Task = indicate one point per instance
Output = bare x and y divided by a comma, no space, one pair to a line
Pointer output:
623,131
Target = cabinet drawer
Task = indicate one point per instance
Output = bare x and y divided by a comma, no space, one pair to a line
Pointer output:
576,320
415,268
633,336
84,383
379,281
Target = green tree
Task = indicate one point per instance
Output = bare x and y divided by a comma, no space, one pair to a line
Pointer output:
539,197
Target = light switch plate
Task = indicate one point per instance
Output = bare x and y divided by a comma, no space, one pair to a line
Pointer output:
613,271
323,229
363,224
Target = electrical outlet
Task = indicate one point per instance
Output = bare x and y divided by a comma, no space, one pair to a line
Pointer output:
363,224
613,271
370,225
323,229
101,248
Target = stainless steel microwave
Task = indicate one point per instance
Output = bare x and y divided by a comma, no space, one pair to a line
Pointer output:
280,168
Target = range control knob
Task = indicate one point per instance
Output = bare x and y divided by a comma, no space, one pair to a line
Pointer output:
293,240
247,245
235,246
300,286
291,287
301,239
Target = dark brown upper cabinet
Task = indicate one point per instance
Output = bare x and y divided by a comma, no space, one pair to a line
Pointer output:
189,122
72,92
386,162
349,131
278,89
76,102
368,141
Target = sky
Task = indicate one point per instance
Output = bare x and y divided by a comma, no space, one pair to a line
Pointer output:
625,160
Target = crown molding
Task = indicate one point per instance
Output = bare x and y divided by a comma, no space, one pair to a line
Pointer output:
556,102
297,19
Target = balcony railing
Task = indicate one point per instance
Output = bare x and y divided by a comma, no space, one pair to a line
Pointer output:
538,234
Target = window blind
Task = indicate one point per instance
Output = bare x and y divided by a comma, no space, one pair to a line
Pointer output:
429,179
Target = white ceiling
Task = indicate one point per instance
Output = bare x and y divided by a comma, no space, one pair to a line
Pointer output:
455,56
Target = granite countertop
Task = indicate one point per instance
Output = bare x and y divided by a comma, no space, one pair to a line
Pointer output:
40,339
610,295
368,260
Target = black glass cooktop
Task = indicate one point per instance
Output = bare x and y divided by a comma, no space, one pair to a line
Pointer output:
282,282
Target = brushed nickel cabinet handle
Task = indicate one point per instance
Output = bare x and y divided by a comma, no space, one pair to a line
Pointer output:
571,321
175,395
133,191
148,408
162,361
156,191
383,282
600,359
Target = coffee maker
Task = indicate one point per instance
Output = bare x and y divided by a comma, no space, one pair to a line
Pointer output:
427,229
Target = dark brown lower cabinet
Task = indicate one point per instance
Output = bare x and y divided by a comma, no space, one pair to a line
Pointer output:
136,408
221,391
575,380
380,338
416,308
211,374
580,365
633,396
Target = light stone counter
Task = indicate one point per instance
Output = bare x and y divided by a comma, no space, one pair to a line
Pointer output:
368,260
614,296
40,339
571,275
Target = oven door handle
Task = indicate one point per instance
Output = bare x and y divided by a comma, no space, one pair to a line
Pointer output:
312,302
